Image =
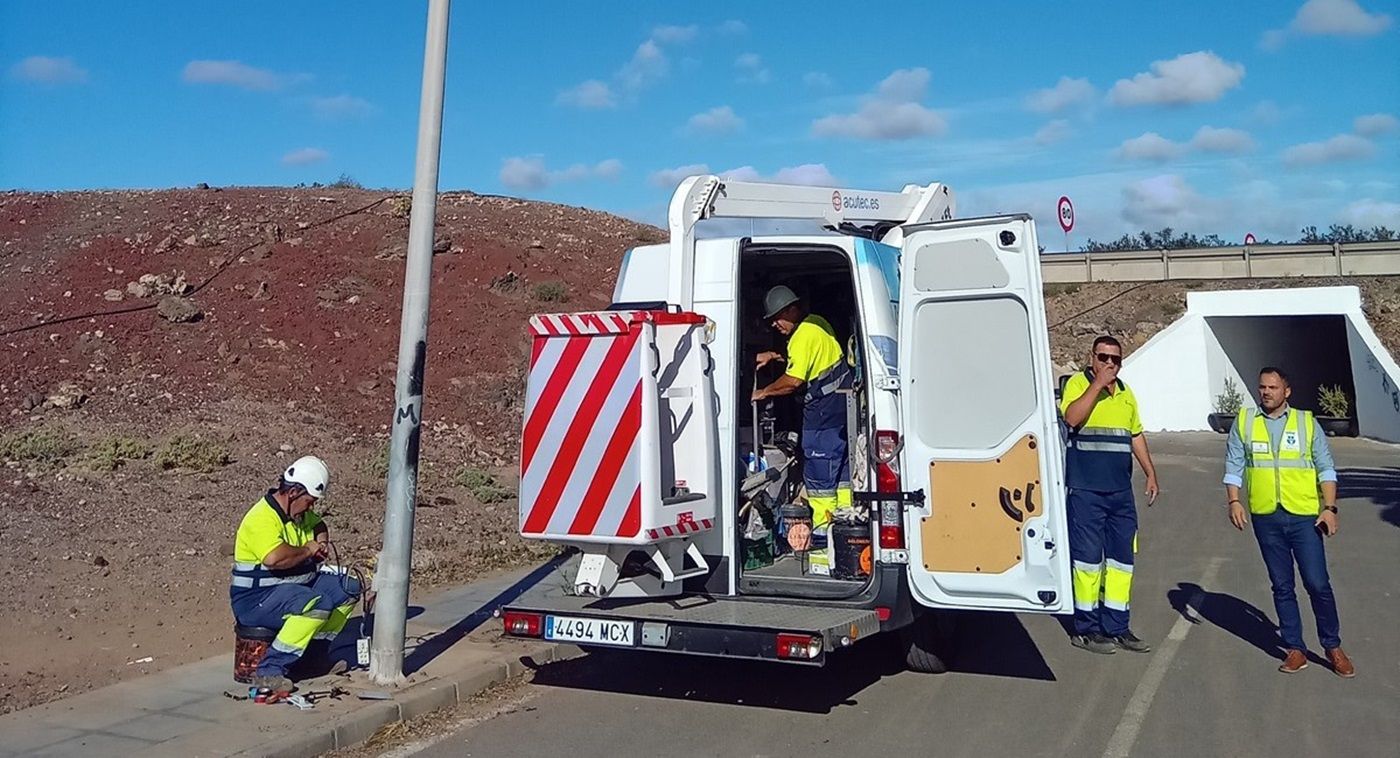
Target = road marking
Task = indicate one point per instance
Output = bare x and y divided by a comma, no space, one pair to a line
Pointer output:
1120,745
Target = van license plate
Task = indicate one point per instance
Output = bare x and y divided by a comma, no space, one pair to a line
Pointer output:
590,631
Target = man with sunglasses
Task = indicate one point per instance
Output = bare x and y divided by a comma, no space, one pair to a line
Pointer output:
1105,435
276,579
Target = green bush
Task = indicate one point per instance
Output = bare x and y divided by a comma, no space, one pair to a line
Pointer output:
483,486
1230,400
551,292
1333,401
37,446
1068,288
376,468
111,453
192,453
345,181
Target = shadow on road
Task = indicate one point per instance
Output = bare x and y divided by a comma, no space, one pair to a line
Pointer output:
1229,613
988,644
1379,485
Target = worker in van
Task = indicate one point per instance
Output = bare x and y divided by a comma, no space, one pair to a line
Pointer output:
276,580
1105,435
817,368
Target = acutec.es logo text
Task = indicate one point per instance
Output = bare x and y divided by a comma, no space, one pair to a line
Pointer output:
854,203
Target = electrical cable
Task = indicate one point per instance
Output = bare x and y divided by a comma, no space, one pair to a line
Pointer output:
218,270
1093,308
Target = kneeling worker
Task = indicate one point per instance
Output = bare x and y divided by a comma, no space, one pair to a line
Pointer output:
275,579
816,367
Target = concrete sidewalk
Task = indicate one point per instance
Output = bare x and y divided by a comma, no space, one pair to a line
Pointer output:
453,653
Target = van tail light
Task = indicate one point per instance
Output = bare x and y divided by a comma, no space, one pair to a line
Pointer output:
887,481
801,646
887,461
521,624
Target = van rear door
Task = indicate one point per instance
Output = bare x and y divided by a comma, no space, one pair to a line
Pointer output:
978,412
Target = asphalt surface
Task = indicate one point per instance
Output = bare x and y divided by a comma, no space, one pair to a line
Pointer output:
1209,688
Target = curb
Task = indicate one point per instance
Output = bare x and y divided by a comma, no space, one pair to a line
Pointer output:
443,691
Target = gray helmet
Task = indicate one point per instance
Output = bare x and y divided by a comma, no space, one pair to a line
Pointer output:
776,300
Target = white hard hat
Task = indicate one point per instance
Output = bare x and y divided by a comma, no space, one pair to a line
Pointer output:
311,473
776,300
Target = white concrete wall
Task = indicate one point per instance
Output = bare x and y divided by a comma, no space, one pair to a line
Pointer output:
1169,377
1375,374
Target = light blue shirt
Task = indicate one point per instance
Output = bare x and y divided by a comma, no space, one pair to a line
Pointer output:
1321,454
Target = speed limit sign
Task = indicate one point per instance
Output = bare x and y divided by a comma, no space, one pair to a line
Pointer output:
1066,213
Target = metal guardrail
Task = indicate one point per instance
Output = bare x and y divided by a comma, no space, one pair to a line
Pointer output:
1252,262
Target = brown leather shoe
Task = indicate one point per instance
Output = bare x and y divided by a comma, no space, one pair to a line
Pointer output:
1341,664
1295,661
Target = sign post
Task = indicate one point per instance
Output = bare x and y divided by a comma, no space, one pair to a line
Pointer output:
1065,211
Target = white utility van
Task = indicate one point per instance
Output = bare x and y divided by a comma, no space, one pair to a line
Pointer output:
642,451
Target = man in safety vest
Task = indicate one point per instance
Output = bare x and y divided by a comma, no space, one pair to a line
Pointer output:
1105,435
276,583
817,368
1280,455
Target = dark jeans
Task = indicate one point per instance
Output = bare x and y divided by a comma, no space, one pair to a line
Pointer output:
1283,539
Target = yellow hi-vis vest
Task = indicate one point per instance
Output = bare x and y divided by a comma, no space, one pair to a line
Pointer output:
1286,476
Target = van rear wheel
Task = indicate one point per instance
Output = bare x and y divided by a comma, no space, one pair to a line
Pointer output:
928,643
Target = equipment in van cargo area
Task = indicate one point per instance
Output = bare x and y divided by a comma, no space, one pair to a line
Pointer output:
617,453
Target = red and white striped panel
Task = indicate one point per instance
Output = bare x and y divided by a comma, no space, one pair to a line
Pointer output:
682,527
601,322
580,456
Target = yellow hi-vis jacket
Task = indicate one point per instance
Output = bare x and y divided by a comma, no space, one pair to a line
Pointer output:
1285,477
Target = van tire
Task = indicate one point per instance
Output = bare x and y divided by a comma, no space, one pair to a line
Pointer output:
928,643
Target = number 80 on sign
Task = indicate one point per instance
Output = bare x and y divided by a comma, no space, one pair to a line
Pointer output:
1065,211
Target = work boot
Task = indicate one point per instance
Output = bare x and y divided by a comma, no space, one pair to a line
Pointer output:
1129,641
1295,661
1341,664
1094,643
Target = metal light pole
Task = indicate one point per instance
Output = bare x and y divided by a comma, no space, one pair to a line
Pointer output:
391,577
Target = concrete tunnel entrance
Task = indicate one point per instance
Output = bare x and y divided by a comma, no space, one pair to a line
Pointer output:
1313,350
1319,335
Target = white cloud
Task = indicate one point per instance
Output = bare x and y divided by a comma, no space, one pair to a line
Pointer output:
734,26
718,120
1212,140
1266,113
673,35
1368,213
1376,125
670,177
1331,18
530,172
305,156
1053,132
591,95
818,80
814,174
42,69
1149,147
237,74
609,169
1343,147
1066,93
751,69
1199,77
1168,200
341,107
892,112
648,66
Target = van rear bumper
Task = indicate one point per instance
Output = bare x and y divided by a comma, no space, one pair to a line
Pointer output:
697,625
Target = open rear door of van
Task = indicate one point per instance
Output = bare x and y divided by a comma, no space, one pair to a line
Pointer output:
980,425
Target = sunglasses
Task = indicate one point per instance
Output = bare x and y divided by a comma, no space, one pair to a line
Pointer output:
1116,360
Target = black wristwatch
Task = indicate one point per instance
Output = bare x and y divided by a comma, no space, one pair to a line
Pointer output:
1331,508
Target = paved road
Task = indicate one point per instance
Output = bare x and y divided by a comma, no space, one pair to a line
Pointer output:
1209,688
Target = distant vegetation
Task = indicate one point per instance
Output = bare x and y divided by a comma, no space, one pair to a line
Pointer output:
1170,239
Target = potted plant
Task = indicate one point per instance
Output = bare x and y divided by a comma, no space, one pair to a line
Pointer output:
1227,407
1335,418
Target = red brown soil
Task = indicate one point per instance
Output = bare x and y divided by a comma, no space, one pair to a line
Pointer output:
105,568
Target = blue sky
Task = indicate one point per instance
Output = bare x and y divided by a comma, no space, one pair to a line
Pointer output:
1209,117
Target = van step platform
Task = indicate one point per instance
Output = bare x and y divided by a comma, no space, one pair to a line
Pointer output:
695,624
